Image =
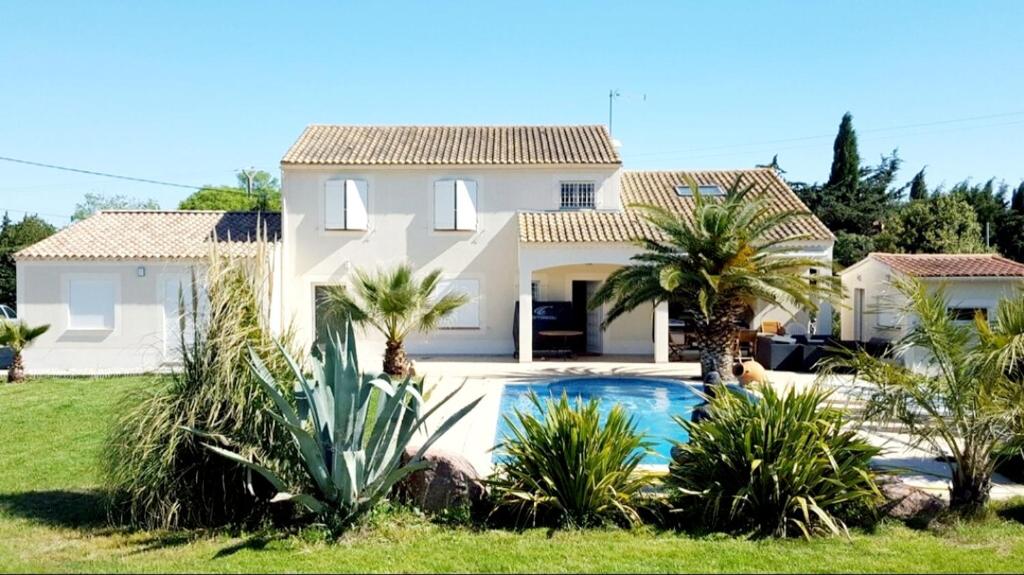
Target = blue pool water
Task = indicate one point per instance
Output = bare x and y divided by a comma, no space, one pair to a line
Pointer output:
652,403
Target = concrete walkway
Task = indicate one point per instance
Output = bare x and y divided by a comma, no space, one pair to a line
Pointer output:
486,377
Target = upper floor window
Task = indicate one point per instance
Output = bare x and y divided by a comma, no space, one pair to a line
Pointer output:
455,205
577,195
345,205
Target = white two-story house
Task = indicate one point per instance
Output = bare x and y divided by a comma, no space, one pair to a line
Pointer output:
512,215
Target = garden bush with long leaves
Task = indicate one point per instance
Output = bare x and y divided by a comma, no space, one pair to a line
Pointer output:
158,474
565,466
777,465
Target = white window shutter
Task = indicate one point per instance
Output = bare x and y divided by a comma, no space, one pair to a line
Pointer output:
465,204
444,205
466,316
356,217
334,205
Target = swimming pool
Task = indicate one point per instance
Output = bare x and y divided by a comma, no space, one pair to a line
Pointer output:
652,402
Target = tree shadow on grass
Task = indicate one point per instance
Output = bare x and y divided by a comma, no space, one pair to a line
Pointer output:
85,510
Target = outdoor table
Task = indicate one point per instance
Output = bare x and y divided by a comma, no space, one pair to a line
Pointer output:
565,334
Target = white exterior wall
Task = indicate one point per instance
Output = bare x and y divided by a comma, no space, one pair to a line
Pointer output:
401,228
875,278
136,342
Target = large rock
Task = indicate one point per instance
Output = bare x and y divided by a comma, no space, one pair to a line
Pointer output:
451,481
909,503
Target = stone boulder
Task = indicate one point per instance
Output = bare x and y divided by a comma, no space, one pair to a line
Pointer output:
909,503
451,481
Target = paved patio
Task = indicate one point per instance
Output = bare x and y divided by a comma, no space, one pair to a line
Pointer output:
474,436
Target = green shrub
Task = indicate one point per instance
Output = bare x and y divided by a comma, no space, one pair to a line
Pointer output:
568,467
158,474
778,465
352,439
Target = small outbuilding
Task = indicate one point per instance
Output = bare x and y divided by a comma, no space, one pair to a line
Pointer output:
110,286
973,282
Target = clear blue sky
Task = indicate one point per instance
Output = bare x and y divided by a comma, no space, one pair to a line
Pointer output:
191,91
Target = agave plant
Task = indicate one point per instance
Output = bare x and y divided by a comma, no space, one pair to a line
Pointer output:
18,336
778,465
569,467
353,437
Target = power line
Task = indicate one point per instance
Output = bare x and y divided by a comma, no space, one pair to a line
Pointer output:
824,136
118,176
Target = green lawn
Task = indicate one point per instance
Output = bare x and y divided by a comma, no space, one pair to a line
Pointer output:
51,519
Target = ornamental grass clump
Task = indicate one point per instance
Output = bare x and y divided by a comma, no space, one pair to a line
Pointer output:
778,465
569,466
158,474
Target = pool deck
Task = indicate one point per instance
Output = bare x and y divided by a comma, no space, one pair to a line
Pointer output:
486,377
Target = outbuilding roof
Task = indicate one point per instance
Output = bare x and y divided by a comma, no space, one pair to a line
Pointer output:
951,265
452,145
156,234
659,188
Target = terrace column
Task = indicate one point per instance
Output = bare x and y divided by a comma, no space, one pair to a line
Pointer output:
525,315
661,332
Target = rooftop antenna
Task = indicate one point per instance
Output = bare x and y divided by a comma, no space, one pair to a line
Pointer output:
612,94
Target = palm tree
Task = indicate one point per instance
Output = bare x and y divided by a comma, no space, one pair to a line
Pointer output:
715,265
395,304
967,400
18,336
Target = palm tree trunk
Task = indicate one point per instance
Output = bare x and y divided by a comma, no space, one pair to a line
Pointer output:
16,372
969,494
395,361
715,339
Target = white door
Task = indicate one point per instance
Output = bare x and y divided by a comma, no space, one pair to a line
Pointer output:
178,298
595,342
858,314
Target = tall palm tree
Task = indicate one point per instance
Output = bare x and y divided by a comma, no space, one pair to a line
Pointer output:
968,400
17,336
715,265
394,303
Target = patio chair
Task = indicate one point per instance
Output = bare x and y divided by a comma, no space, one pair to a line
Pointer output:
771,327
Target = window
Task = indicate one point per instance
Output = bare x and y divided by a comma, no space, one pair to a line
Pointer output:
705,190
886,313
345,205
324,314
966,314
468,315
535,290
91,304
577,195
455,205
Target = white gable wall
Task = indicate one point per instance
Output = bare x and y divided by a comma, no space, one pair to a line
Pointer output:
401,215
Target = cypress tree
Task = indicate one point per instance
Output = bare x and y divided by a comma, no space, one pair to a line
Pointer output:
845,157
918,188
1017,200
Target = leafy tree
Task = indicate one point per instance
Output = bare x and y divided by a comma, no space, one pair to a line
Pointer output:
96,202
714,266
394,303
266,196
1017,200
14,237
852,247
918,187
943,224
856,199
987,200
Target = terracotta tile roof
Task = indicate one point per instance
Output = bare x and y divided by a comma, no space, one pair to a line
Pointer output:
155,235
659,189
952,265
452,145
